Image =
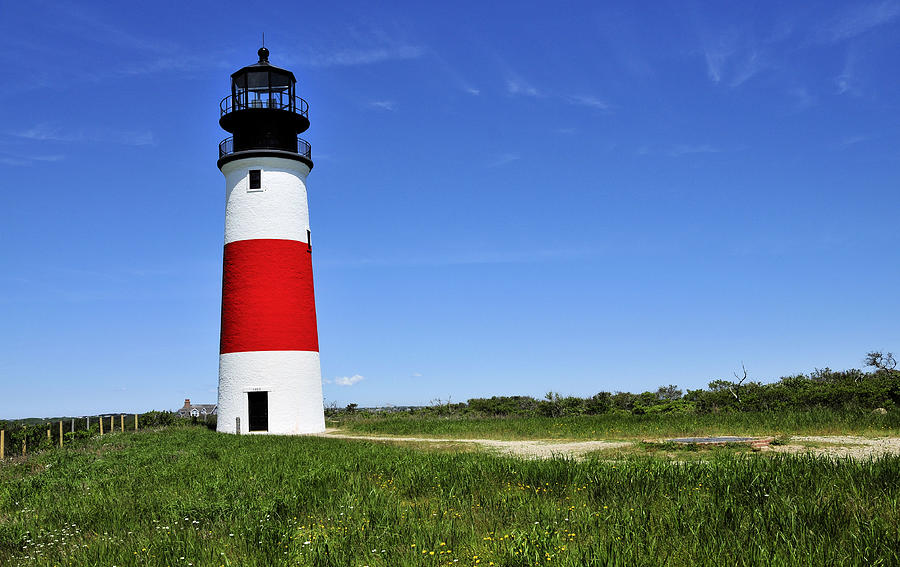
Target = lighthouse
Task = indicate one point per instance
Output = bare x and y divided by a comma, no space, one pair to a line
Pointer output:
270,379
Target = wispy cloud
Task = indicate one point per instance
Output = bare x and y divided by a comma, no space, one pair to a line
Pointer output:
46,132
748,67
801,97
853,140
589,101
12,159
859,20
716,54
416,375
519,87
733,56
468,257
382,105
688,149
348,57
358,45
847,82
504,159
95,27
679,150
454,77
348,380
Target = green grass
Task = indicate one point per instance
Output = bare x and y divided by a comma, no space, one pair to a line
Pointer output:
627,426
189,496
672,451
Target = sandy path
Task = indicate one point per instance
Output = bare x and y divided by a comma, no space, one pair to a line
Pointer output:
841,446
833,445
523,449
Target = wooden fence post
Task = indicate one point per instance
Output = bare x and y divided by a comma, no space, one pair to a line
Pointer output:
237,425
48,433
88,423
112,424
73,425
2,443
101,425
24,443
122,422
60,434
135,422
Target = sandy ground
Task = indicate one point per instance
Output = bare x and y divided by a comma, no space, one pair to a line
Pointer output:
835,445
524,449
841,446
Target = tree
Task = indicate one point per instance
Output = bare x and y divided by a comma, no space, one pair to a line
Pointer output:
881,361
668,393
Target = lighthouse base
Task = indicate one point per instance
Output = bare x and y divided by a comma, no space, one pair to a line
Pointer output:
272,392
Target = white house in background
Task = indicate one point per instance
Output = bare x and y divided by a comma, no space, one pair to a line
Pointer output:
196,410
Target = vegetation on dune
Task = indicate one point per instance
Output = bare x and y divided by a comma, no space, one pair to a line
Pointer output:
823,402
187,496
621,425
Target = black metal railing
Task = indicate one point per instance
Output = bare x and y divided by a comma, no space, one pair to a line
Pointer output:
226,147
264,99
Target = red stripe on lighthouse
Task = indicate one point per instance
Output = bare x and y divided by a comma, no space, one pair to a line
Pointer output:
267,297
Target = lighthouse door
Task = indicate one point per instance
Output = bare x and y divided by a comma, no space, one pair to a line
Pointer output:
258,409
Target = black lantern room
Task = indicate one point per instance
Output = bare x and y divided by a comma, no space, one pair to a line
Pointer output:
264,114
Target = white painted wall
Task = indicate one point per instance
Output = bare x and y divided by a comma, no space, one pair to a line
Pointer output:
293,380
279,210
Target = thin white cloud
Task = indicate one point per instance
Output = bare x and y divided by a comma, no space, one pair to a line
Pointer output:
859,20
349,57
358,46
589,101
517,86
688,149
734,57
382,105
95,27
847,82
716,53
802,97
853,140
472,91
349,380
468,258
678,150
750,66
7,158
504,159
416,374
45,132
13,161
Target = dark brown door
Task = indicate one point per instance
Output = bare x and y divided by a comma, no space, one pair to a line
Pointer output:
258,406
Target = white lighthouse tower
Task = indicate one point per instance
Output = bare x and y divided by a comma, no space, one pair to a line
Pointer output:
270,379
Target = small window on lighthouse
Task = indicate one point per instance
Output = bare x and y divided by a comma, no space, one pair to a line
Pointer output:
255,180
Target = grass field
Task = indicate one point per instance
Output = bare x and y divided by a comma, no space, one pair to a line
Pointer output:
626,426
187,496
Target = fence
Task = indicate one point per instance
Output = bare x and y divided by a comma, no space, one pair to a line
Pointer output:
18,439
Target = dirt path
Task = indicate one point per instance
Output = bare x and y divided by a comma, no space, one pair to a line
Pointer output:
833,445
523,449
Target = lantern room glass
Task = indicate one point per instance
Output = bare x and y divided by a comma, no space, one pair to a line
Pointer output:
263,88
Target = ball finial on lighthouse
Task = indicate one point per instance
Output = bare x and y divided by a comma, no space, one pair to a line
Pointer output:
269,373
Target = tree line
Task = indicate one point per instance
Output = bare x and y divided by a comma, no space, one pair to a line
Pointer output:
874,389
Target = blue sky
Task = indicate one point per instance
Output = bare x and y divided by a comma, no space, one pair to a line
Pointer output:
508,198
